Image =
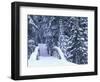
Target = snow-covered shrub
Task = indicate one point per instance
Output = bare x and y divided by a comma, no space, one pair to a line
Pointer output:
31,47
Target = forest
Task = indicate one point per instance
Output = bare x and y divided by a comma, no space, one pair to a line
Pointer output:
69,33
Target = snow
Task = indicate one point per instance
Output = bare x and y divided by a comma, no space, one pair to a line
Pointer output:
48,60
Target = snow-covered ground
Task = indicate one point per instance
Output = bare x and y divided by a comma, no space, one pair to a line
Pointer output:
47,61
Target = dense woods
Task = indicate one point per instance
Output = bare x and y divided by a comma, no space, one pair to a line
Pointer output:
69,33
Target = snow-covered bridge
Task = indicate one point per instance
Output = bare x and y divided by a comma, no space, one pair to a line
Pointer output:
47,60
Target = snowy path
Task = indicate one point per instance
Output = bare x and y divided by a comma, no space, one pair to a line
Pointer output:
47,61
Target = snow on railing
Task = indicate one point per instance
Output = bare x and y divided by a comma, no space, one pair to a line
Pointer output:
60,52
34,54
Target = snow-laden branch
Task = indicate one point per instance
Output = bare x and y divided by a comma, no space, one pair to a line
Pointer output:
52,18
32,22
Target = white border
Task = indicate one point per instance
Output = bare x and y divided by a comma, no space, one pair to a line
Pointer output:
24,70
